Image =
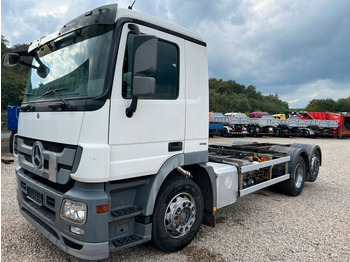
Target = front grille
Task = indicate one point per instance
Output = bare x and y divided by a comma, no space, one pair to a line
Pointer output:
57,163
49,146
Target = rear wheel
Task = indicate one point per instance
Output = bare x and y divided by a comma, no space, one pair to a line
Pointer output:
295,184
315,166
178,214
278,132
252,132
307,133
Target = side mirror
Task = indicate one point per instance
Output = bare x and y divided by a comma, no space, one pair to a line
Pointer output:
11,59
143,87
145,54
145,63
145,50
42,71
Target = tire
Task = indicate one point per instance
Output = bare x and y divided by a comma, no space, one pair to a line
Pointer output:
224,132
251,132
295,184
307,133
314,160
314,166
178,214
278,132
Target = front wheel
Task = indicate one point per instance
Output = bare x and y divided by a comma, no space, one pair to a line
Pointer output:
178,214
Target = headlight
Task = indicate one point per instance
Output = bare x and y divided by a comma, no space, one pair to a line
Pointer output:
75,212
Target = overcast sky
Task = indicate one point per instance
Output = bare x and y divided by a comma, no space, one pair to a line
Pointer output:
297,48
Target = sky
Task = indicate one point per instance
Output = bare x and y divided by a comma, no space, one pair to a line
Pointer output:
298,49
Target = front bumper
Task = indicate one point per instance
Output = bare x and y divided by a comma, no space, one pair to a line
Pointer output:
40,204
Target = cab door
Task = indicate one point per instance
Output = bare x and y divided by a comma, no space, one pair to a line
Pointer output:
142,143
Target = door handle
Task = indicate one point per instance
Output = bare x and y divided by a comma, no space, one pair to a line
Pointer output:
175,146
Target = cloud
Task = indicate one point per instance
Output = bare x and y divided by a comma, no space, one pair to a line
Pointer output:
271,44
26,20
319,89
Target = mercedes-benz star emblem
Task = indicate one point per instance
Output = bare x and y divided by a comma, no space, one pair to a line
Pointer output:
37,154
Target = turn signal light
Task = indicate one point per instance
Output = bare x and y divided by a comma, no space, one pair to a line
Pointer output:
101,209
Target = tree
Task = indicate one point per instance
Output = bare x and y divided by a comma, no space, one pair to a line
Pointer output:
228,96
343,105
321,105
13,79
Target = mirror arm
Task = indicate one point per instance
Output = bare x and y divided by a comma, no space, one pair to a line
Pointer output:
28,65
132,108
134,28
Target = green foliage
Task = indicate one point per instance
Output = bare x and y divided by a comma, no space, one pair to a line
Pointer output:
329,105
228,96
3,120
13,79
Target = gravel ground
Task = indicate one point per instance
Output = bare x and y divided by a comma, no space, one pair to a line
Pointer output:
263,226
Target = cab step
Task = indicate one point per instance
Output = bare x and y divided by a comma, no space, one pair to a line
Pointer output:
126,212
126,240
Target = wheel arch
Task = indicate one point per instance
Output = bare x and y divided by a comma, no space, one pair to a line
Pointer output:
294,152
201,175
157,181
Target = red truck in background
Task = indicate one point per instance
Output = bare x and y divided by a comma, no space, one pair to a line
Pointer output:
258,114
343,129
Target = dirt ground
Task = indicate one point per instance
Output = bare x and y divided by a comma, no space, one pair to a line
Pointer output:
263,226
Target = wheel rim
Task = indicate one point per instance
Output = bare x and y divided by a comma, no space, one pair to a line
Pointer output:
299,171
180,215
315,164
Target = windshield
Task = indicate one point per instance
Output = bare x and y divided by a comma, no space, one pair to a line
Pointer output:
77,65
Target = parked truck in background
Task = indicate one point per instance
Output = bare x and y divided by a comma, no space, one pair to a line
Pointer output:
12,123
343,119
90,181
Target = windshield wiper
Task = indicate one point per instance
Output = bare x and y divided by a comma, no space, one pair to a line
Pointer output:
65,105
49,92
30,106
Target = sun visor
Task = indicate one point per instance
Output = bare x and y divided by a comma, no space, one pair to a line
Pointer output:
102,15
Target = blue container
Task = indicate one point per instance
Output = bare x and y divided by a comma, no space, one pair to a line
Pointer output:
12,117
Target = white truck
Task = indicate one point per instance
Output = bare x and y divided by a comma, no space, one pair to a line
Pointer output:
97,173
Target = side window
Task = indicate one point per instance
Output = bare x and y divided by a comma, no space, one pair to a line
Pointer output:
166,76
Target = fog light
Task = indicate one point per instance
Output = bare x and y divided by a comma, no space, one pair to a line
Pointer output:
75,212
77,230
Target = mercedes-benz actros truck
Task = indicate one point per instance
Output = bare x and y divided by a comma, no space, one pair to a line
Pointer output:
112,138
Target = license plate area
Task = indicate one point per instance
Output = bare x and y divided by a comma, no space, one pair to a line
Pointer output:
35,196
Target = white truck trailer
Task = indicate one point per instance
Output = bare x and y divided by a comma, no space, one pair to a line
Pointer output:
97,173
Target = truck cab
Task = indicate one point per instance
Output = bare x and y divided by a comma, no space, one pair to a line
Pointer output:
114,102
